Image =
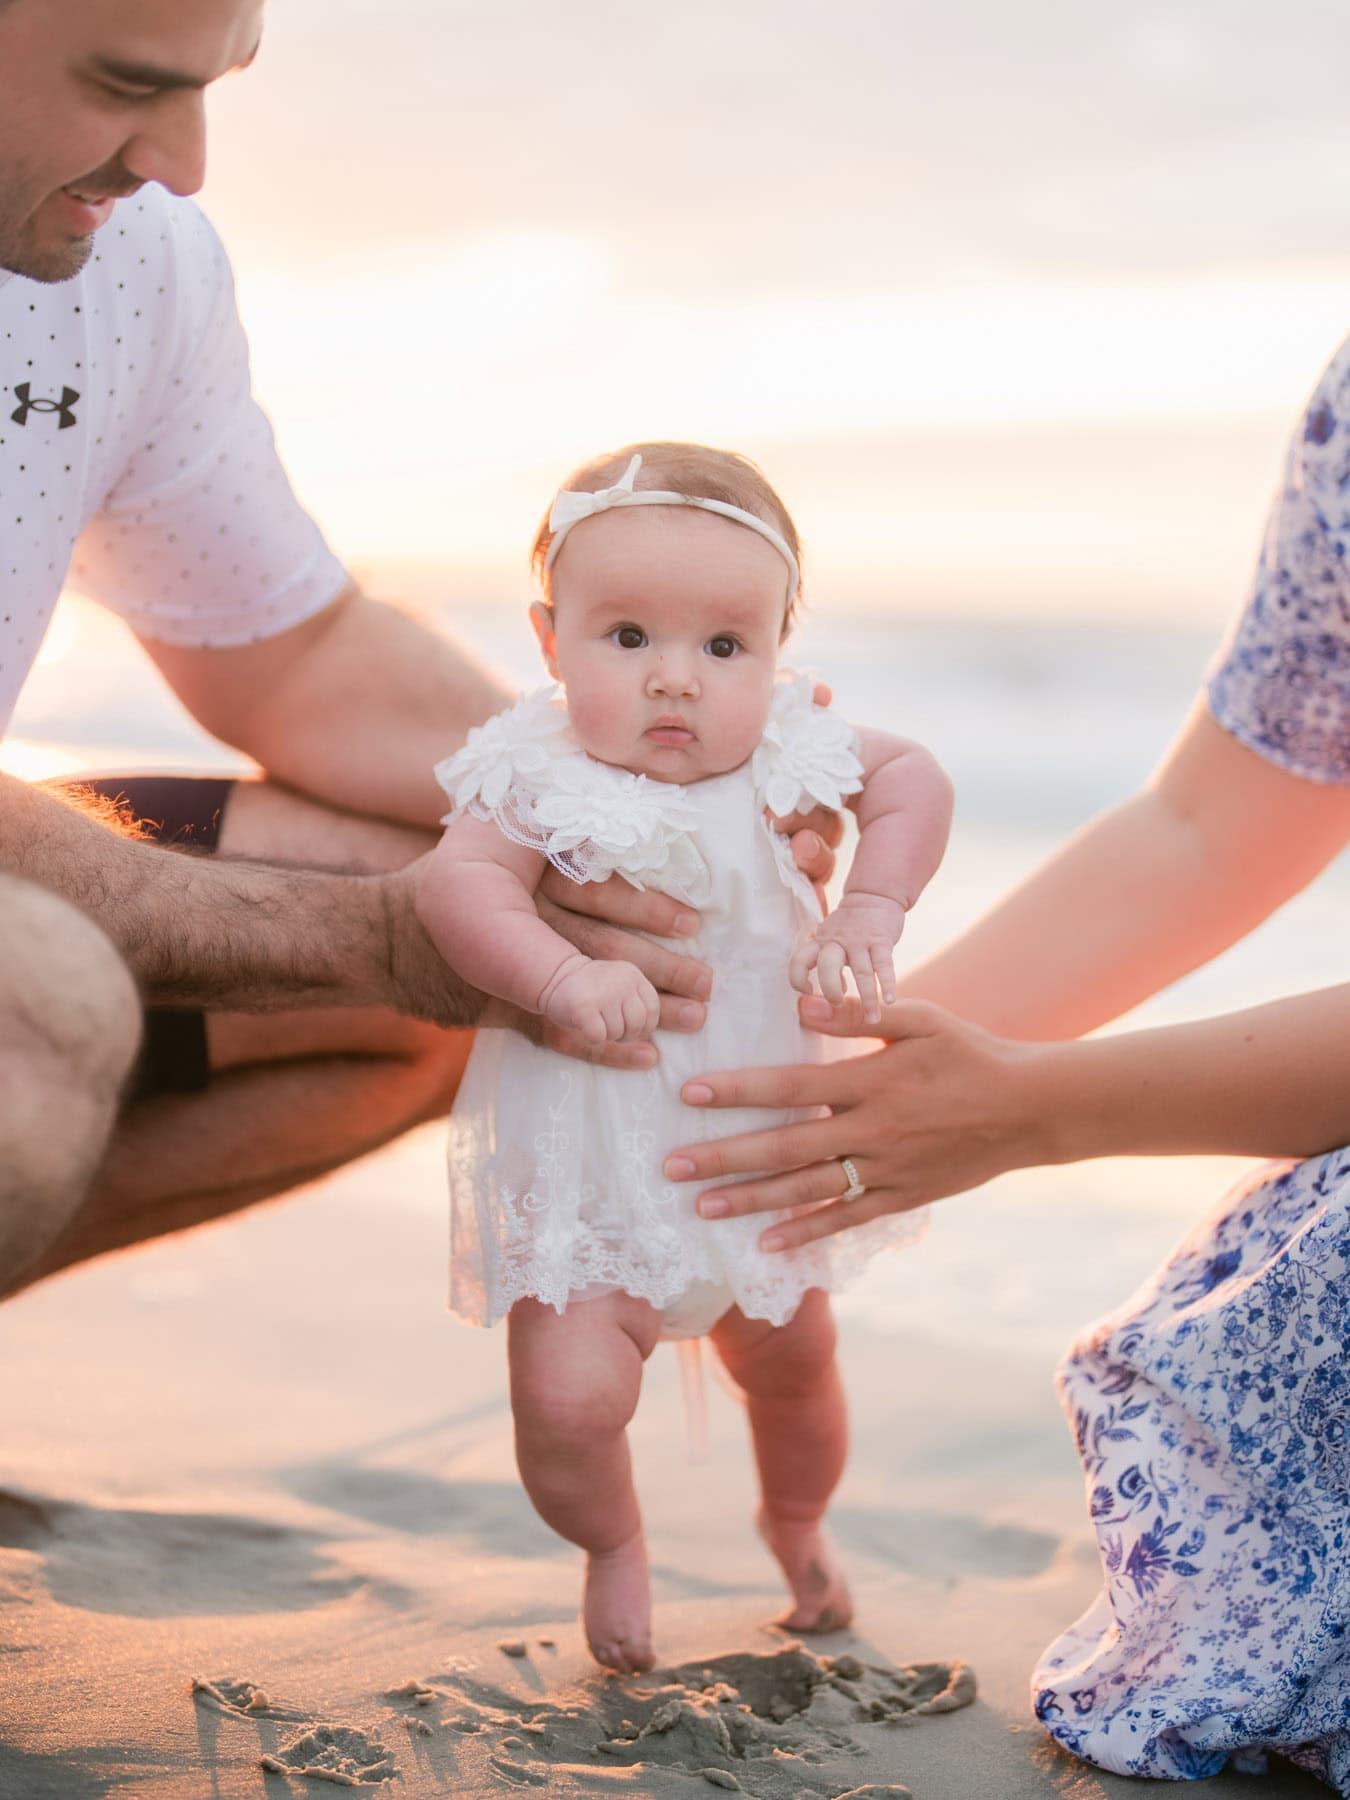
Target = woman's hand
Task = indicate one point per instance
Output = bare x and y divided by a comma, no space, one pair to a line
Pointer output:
941,1107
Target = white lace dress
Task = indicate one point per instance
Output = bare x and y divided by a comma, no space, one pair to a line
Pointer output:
556,1184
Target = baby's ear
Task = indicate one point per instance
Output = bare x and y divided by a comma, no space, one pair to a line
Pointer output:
541,617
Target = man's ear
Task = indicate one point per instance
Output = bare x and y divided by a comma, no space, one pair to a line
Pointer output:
541,617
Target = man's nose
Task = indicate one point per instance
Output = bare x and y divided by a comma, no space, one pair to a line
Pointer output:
170,147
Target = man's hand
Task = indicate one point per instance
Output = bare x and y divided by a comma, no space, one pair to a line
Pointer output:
608,921
602,919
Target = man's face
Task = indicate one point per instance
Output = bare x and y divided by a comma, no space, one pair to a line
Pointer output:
96,98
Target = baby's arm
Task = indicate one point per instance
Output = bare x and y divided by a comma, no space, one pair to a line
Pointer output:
476,900
904,815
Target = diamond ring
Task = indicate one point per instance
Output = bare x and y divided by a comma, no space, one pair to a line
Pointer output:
855,1189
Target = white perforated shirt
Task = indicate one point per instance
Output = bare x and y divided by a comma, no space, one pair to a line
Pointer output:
134,461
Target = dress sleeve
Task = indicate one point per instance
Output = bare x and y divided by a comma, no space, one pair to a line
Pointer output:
1281,682
201,542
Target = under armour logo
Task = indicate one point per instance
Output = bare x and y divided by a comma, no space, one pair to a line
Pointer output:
65,406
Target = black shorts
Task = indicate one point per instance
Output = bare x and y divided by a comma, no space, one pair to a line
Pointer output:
182,810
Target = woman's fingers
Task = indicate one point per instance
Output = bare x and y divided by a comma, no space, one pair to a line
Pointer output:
941,1108
795,1084
824,1221
786,1147
799,1187
903,1019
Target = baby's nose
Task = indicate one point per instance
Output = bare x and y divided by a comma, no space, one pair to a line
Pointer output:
674,675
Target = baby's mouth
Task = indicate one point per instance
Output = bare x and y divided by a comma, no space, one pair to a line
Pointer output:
670,730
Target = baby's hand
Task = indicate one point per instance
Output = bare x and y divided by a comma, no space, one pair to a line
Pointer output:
860,935
604,1002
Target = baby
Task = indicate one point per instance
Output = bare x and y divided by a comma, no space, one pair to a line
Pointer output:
670,578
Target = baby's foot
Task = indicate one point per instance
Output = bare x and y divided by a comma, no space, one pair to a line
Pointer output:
617,1607
807,1558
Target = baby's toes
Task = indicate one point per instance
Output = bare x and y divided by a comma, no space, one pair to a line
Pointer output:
627,1656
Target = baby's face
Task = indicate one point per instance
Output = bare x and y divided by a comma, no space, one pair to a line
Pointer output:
665,630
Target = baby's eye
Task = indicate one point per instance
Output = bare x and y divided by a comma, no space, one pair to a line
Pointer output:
629,637
722,646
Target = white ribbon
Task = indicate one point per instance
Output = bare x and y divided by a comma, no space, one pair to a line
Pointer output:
570,507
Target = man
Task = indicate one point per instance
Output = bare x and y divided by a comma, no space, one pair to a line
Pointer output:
132,455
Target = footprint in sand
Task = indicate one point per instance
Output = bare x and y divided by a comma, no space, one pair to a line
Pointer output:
341,1754
336,1753
776,1725
243,1699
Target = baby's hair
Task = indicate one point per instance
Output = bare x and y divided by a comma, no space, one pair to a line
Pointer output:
692,469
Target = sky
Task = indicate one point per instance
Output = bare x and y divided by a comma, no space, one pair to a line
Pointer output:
1016,304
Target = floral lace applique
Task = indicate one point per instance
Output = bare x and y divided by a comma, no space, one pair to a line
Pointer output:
526,772
808,755
513,748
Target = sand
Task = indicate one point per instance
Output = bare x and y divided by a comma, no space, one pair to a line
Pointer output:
261,1535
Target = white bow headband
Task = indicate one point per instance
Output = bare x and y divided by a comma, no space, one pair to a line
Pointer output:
570,507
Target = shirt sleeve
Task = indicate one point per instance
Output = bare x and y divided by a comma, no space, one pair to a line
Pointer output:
201,541
1281,682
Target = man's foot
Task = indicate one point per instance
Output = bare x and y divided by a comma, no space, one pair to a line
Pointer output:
821,1600
617,1607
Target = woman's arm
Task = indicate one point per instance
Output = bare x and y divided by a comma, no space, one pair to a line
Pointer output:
1216,840
946,1106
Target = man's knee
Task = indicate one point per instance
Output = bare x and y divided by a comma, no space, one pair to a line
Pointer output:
70,1022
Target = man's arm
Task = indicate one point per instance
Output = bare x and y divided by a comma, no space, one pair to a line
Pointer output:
208,931
355,706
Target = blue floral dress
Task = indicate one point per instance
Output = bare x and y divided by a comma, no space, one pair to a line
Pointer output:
1212,1411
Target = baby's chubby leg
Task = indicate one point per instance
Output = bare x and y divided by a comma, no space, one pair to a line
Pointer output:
575,1379
799,1424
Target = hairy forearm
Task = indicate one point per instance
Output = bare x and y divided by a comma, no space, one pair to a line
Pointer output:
1268,1081
211,931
